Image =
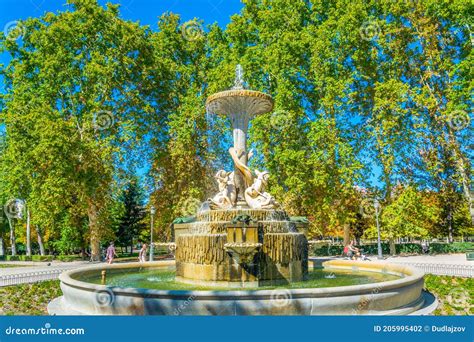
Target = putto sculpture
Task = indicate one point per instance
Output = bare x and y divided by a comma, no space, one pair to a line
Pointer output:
225,198
240,105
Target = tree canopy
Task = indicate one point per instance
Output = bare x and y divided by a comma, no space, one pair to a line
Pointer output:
368,95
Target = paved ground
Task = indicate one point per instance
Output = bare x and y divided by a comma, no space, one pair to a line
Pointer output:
37,266
452,259
443,264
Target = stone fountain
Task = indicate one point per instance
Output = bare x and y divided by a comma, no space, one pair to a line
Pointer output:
244,238
241,242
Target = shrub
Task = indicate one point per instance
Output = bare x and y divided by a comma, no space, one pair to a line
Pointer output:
42,258
455,247
68,258
406,248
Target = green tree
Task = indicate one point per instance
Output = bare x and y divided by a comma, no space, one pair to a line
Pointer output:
78,90
130,223
409,215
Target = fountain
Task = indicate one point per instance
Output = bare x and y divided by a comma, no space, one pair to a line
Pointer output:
237,241
242,255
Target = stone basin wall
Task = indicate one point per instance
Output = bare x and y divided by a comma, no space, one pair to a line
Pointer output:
229,215
202,257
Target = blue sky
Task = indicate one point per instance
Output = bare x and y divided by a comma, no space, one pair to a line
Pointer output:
144,11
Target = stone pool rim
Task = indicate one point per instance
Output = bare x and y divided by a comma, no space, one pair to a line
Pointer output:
404,296
410,276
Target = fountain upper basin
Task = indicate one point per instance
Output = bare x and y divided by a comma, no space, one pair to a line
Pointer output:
250,102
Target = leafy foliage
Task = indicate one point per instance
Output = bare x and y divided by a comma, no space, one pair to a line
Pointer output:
359,86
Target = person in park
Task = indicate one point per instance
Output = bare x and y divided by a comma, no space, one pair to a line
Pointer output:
142,253
352,251
111,254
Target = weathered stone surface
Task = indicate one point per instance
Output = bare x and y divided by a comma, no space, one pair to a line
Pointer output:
284,248
229,215
201,249
207,257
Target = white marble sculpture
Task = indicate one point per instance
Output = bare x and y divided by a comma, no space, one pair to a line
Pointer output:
240,105
256,182
255,195
227,194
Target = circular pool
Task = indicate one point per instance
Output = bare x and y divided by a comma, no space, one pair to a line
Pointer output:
339,287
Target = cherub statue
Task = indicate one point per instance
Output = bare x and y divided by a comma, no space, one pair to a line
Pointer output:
227,194
255,195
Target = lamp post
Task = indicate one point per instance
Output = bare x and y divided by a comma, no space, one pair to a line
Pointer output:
379,242
152,214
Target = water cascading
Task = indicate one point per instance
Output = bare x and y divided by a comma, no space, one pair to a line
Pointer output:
241,237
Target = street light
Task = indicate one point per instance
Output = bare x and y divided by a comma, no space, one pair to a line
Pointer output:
379,243
152,214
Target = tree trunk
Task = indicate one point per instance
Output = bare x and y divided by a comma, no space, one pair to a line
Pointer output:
465,179
12,237
2,249
393,249
347,234
450,225
94,232
40,240
28,233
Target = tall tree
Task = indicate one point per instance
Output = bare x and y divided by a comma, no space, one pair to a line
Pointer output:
79,94
131,223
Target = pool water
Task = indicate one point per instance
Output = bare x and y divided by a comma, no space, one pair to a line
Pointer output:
164,279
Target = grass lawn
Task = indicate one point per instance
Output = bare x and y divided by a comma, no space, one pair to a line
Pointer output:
11,265
455,296
28,299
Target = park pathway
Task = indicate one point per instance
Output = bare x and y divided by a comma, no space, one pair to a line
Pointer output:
443,264
31,272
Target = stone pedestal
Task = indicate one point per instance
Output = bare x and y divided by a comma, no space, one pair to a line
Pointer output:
241,255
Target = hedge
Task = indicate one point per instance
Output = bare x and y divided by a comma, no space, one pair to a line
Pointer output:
27,258
408,248
68,258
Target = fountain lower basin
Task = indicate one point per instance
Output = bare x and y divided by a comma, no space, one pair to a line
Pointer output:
399,296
